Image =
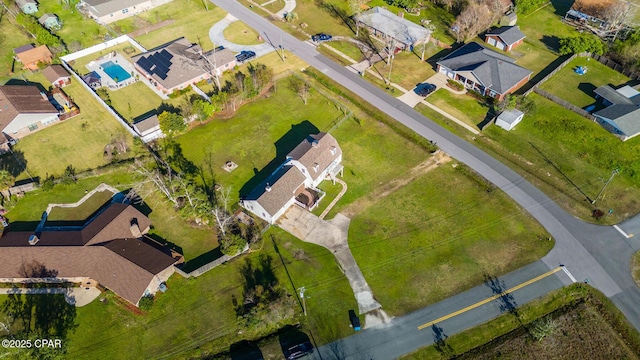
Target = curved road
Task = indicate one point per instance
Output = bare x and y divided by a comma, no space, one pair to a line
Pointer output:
597,253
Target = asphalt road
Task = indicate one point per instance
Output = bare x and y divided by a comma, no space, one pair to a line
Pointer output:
600,254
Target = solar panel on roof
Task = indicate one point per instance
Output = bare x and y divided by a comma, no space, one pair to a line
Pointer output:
164,61
165,54
161,74
145,64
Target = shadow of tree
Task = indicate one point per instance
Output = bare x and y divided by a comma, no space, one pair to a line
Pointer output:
551,42
440,341
507,301
245,350
14,162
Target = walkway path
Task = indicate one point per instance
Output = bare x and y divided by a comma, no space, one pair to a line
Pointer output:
332,235
289,5
216,34
338,197
73,296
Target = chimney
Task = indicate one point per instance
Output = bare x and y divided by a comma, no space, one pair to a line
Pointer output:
268,188
33,239
314,143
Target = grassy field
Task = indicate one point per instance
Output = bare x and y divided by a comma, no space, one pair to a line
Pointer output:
239,33
544,28
444,242
77,31
136,99
82,211
463,107
190,19
407,69
12,37
199,312
79,141
347,48
586,322
578,89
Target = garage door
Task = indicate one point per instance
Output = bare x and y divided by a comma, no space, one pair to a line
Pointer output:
500,46
492,41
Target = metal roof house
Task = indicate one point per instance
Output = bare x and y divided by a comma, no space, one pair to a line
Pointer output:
28,6
108,11
148,128
384,24
483,70
505,38
315,159
508,119
622,114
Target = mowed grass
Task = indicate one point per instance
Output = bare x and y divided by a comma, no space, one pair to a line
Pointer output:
12,37
463,107
82,211
136,99
199,312
586,322
51,150
77,30
191,20
544,27
448,239
348,48
578,89
407,68
239,33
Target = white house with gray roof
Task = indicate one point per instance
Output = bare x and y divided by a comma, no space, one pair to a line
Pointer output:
148,128
384,24
505,38
622,114
108,11
315,159
483,70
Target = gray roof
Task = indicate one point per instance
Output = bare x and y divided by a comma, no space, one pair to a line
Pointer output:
46,17
399,28
618,96
493,70
186,62
316,150
626,117
282,184
106,7
510,116
508,34
147,123
22,3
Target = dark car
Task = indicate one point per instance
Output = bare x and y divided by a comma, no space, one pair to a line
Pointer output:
425,89
245,55
320,37
298,351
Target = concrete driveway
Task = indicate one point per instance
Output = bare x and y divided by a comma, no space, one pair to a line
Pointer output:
217,37
331,235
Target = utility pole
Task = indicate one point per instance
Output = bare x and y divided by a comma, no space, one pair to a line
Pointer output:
304,304
281,48
613,173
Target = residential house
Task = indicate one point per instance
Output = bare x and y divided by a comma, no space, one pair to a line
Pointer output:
108,11
598,13
505,38
50,21
27,6
485,71
148,129
93,80
508,119
57,75
110,249
179,63
315,159
391,29
24,109
622,114
31,58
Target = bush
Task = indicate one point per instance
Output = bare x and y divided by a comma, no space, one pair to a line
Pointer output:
232,244
581,43
455,85
527,6
146,303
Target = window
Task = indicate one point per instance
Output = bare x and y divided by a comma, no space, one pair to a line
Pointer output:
47,122
33,127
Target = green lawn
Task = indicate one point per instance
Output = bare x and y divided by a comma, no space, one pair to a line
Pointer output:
544,28
51,150
192,21
464,107
77,30
82,211
239,33
347,48
443,240
199,312
12,38
578,89
136,99
635,267
407,69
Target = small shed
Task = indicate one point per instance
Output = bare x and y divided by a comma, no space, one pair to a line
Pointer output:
508,119
50,21
57,75
93,80
509,19
28,6
148,128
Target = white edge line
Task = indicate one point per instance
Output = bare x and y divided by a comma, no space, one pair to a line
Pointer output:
564,268
621,231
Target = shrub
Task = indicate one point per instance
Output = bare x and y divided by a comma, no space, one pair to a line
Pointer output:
232,244
455,85
146,303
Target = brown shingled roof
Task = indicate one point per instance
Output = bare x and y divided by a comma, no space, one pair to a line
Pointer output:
55,72
316,150
283,185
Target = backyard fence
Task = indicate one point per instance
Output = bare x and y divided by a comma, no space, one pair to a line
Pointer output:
206,267
101,47
549,75
615,66
565,104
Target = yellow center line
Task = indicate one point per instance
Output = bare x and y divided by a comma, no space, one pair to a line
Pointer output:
487,300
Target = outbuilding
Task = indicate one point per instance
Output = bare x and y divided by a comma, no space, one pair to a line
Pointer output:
508,119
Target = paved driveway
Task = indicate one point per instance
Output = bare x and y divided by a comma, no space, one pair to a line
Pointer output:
331,235
217,37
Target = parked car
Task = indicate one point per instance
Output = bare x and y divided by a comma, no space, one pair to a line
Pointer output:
425,89
245,55
321,37
219,48
298,351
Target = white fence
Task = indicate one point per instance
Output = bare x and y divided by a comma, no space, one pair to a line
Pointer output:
103,46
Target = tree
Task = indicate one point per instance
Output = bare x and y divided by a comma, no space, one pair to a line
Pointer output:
300,87
581,43
202,109
476,17
291,16
6,180
232,244
527,6
171,123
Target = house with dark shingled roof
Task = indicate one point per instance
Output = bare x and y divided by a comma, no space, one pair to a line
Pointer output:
505,38
622,114
315,159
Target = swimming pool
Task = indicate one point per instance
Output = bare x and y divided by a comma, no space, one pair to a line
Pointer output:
115,71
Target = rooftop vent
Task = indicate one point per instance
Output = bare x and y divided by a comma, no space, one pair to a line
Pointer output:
268,188
33,239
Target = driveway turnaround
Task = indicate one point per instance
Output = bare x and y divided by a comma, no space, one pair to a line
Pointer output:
217,38
331,235
73,296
